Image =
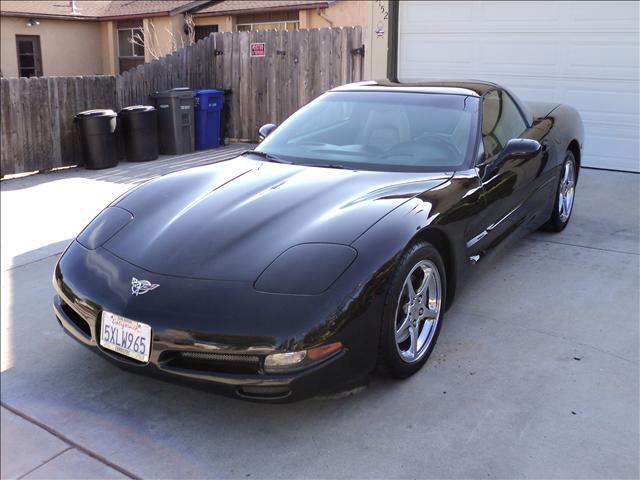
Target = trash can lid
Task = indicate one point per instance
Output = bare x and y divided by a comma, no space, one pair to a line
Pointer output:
208,91
97,113
138,108
174,92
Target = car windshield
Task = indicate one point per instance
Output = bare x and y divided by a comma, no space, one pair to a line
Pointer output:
396,131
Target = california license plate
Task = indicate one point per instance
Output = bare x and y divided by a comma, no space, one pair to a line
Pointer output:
127,337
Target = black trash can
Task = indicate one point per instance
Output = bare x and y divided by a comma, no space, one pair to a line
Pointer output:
225,118
139,126
175,120
120,142
98,139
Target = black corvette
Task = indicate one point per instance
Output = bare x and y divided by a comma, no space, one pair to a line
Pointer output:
330,251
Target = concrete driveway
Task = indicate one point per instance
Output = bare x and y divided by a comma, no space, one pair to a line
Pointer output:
543,384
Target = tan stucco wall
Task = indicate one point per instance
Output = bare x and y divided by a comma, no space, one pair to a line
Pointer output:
68,47
343,13
163,35
226,23
109,48
376,46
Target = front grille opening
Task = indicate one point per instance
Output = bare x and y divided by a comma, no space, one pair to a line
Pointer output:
214,362
76,319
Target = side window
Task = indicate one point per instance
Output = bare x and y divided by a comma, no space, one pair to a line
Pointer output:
501,121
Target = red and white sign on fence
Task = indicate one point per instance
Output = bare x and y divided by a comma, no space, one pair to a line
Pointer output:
257,49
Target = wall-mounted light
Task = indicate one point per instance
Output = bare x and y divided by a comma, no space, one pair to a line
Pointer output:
32,22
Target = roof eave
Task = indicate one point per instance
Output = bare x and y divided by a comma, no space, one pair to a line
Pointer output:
53,16
286,8
195,5
135,15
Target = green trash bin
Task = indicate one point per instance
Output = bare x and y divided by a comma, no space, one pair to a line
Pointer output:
175,120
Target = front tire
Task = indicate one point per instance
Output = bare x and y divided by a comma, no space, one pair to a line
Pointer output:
565,195
413,311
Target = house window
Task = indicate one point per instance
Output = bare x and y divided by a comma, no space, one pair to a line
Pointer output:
203,31
29,57
126,47
292,25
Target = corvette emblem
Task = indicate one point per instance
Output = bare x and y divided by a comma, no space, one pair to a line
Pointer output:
140,287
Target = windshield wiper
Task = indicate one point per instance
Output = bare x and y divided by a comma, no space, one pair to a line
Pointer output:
267,156
330,165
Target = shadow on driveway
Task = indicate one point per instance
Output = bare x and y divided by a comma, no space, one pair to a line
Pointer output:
132,172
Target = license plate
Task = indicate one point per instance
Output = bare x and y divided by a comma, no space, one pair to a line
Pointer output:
127,337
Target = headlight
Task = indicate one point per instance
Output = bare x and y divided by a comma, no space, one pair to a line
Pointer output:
306,269
292,361
108,222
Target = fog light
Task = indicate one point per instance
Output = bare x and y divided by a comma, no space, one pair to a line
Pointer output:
290,361
280,361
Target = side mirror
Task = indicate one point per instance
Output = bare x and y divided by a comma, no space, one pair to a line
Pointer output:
521,148
265,131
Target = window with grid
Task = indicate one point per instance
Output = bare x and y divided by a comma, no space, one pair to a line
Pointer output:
29,56
127,48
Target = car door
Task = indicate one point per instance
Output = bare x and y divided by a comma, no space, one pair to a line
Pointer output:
508,182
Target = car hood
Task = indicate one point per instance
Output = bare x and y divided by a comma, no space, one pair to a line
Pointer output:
230,220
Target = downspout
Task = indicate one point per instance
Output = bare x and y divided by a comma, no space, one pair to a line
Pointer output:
321,14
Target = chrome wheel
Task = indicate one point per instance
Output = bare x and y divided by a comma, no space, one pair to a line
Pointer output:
418,311
567,190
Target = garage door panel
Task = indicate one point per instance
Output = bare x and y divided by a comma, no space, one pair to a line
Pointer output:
609,144
512,13
604,57
511,54
416,17
518,17
603,16
605,102
456,51
495,55
584,54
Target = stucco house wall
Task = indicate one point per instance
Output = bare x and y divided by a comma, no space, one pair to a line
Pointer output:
69,47
160,35
340,14
109,46
344,13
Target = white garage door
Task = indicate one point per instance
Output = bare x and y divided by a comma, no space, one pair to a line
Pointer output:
584,54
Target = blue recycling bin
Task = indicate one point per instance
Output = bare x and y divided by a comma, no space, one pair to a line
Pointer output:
208,107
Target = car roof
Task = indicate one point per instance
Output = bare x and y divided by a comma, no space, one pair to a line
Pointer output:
475,88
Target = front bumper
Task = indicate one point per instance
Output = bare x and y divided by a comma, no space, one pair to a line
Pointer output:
82,295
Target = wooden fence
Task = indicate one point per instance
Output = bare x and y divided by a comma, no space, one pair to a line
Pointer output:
38,132
298,66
